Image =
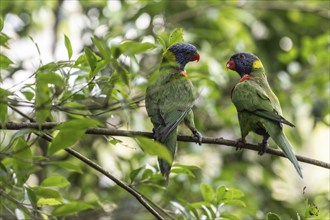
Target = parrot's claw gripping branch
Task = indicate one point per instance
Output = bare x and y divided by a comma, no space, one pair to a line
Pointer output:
197,136
263,145
240,143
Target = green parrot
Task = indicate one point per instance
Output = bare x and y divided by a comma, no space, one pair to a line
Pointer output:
170,98
258,107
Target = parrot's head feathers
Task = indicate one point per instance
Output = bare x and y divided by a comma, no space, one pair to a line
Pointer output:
244,63
182,53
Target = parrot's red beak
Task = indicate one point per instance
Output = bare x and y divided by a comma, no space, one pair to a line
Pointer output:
195,57
231,65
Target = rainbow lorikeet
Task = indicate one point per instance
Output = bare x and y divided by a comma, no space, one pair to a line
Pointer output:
170,98
258,107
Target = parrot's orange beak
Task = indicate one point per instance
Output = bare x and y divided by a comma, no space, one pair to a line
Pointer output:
195,57
231,65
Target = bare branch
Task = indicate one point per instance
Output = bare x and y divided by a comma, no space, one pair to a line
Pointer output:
205,140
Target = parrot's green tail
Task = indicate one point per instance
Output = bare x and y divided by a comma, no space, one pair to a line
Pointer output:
170,144
280,139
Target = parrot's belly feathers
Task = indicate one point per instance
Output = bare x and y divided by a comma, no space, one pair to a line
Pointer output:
250,122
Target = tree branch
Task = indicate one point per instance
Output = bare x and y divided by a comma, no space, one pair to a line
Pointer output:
205,140
141,198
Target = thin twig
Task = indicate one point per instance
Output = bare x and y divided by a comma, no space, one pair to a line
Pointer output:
205,140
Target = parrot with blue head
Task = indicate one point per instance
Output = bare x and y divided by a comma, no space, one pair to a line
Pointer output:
170,98
258,108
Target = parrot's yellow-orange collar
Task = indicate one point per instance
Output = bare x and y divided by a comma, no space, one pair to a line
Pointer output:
257,64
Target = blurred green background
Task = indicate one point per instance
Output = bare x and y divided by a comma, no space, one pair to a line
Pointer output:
290,37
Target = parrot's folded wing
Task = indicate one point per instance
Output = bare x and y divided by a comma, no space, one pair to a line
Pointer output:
172,121
273,116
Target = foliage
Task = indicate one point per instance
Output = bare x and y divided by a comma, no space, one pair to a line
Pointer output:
99,79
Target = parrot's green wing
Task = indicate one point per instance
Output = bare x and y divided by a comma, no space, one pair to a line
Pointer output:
168,104
250,96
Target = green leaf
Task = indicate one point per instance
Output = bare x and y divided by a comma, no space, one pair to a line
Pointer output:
68,46
220,192
3,106
131,48
229,216
70,132
3,40
91,58
176,37
183,169
28,95
46,196
49,201
272,216
71,208
133,174
234,202
4,62
56,181
1,23
22,162
99,66
32,197
207,192
154,148
162,42
42,100
233,194
311,210
69,166
102,47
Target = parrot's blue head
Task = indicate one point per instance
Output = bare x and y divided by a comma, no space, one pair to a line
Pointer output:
183,53
244,63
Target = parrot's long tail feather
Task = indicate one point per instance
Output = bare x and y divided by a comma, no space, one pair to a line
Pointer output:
280,139
170,144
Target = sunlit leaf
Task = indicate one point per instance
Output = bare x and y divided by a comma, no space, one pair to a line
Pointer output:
181,169
234,202
229,216
220,192
176,37
311,210
68,46
233,194
154,148
102,47
70,132
71,208
46,196
132,48
56,181
207,192
91,58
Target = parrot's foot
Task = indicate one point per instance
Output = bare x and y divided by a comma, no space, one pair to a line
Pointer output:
263,147
239,143
197,136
